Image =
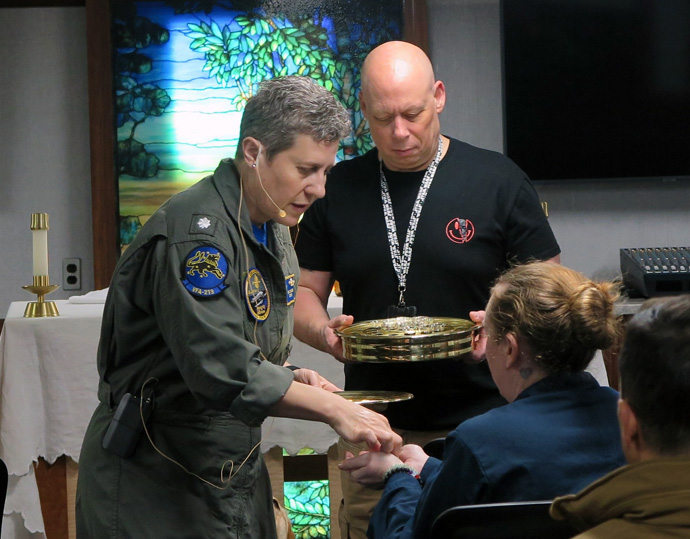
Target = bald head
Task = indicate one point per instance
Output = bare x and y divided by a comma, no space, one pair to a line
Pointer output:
401,101
396,63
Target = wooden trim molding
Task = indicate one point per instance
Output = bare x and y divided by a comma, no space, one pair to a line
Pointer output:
104,197
416,25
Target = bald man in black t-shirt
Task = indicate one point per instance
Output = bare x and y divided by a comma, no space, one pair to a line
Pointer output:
479,213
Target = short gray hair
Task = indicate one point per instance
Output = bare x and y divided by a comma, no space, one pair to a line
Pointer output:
285,107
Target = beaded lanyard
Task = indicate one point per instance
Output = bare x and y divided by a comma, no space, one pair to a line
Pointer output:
401,262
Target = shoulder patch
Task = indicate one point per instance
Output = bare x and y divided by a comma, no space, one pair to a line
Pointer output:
202,224
204,271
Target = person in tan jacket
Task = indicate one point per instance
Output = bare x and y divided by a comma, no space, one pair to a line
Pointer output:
650,497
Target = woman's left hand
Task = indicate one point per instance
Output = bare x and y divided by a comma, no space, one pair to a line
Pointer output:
313,378
369,467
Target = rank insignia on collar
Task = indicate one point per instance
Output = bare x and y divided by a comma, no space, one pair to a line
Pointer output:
204,271
202,224
291,288
256,295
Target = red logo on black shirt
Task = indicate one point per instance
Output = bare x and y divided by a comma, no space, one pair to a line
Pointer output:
460,230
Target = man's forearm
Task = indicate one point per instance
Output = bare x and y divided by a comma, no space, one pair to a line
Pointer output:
311,317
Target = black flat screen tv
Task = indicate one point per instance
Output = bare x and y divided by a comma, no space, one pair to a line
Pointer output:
597,89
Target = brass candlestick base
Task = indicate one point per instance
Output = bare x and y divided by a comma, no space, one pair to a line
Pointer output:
39,308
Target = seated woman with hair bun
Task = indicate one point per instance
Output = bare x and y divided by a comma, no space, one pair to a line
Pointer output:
559,431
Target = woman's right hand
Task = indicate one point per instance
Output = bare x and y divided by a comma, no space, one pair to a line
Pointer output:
356,423
351,421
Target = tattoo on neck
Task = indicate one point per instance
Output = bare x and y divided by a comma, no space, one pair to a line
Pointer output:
526,372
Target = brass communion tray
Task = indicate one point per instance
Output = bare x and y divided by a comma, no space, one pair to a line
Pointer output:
374,397
407,338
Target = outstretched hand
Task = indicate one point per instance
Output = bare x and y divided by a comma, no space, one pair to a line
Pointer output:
368,468
357,424
413,455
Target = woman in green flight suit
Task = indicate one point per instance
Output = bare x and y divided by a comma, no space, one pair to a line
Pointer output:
196,330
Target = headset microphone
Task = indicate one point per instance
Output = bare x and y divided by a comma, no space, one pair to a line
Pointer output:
281,212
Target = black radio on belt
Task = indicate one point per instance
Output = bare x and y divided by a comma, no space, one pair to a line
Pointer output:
126,427
656,271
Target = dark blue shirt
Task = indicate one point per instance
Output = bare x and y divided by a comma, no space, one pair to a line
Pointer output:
558,436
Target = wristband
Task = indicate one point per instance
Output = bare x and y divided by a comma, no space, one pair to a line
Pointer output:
292,367
402,468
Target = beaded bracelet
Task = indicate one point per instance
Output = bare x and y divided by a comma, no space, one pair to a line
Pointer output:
402,468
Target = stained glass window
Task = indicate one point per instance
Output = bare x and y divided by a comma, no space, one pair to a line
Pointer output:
308,507
184,69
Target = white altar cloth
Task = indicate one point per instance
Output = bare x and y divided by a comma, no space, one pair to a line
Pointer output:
48,391
48,384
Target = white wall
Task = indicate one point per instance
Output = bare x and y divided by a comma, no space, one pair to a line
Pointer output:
44,145
592,221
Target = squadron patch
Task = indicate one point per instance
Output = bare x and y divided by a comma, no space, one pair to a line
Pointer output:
204,271
290,288
256,295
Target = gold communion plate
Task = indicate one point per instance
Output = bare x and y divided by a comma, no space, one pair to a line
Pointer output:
374,397
407,338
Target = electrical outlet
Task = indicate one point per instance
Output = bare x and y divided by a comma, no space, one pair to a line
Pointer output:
71,273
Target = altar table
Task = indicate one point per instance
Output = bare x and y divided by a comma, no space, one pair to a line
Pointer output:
48,391
48,384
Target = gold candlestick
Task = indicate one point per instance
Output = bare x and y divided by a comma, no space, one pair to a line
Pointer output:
40,307
41,283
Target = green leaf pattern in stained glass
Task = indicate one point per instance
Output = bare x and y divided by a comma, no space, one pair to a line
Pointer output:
307,504
249,49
